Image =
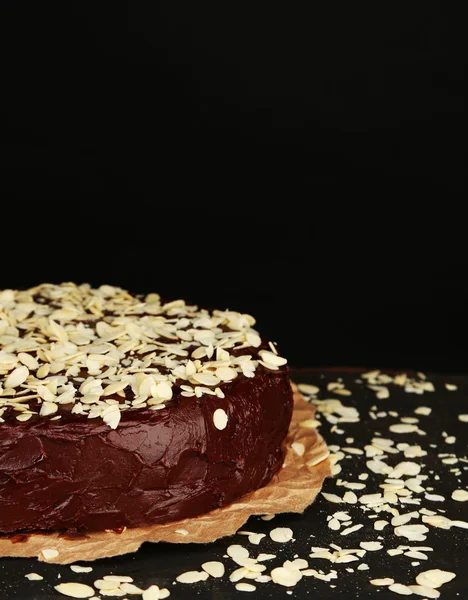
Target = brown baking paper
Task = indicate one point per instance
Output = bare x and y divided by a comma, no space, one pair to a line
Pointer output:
293,489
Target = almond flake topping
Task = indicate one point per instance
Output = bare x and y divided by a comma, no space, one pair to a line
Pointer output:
99,352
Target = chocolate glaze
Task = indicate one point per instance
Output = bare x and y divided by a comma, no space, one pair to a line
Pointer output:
77,474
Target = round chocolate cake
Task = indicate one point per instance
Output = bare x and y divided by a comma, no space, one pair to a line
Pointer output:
119,410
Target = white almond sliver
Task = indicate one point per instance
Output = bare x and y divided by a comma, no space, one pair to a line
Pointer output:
34,577
245,587
49,553
401,589
309,390
425,591
220,419
460,495
214,568
191,577
281,534
80,569
75,590
298,448
371,546
384,581
434,578
286,577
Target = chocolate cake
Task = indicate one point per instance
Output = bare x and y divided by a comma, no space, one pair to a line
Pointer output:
119,410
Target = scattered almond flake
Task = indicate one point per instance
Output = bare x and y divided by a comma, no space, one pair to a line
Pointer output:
80,569
451,387
384,581
16,377
75,590
49,553
267,517
334,524
102,584
332,498
353,450
403,519
286,577
182,531
238,574
261,557
154,593
350,498
434,578
281,534
118,578
402,428
401,589
414,452
412,532
352,529
450,439
434,497
423,410
363,567
416,554
308,390
371,546
394,551
191,577
422,590
380,525
130,588
460,495
298,448
214,568
463,418
34,577
245,587
220,419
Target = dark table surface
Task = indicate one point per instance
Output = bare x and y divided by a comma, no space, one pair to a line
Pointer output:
161,563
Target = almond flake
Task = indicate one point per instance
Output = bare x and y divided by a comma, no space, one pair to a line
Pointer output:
49,553
308,390
80,569
214,568
371,546
401,589
298,448
75,590
460,495
286,577
384,581
220,419
434,578
281,534
245,587
191,577
34,577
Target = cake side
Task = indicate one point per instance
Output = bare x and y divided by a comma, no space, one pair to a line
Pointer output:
156,467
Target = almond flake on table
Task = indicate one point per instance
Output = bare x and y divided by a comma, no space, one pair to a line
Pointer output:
75,590
371,546
286,577
281,534
34,576
425,591
192,577
434,578
309,390
80,569
383,581
460,495
463,418
214,568
451,387
245,587
401,589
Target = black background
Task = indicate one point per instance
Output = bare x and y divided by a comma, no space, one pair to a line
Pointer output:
302,162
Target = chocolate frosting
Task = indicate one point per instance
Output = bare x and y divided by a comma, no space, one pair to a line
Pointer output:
76,474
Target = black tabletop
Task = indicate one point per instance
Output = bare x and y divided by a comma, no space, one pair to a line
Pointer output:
161,563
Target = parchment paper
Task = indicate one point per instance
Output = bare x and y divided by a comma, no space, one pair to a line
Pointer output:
293,489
